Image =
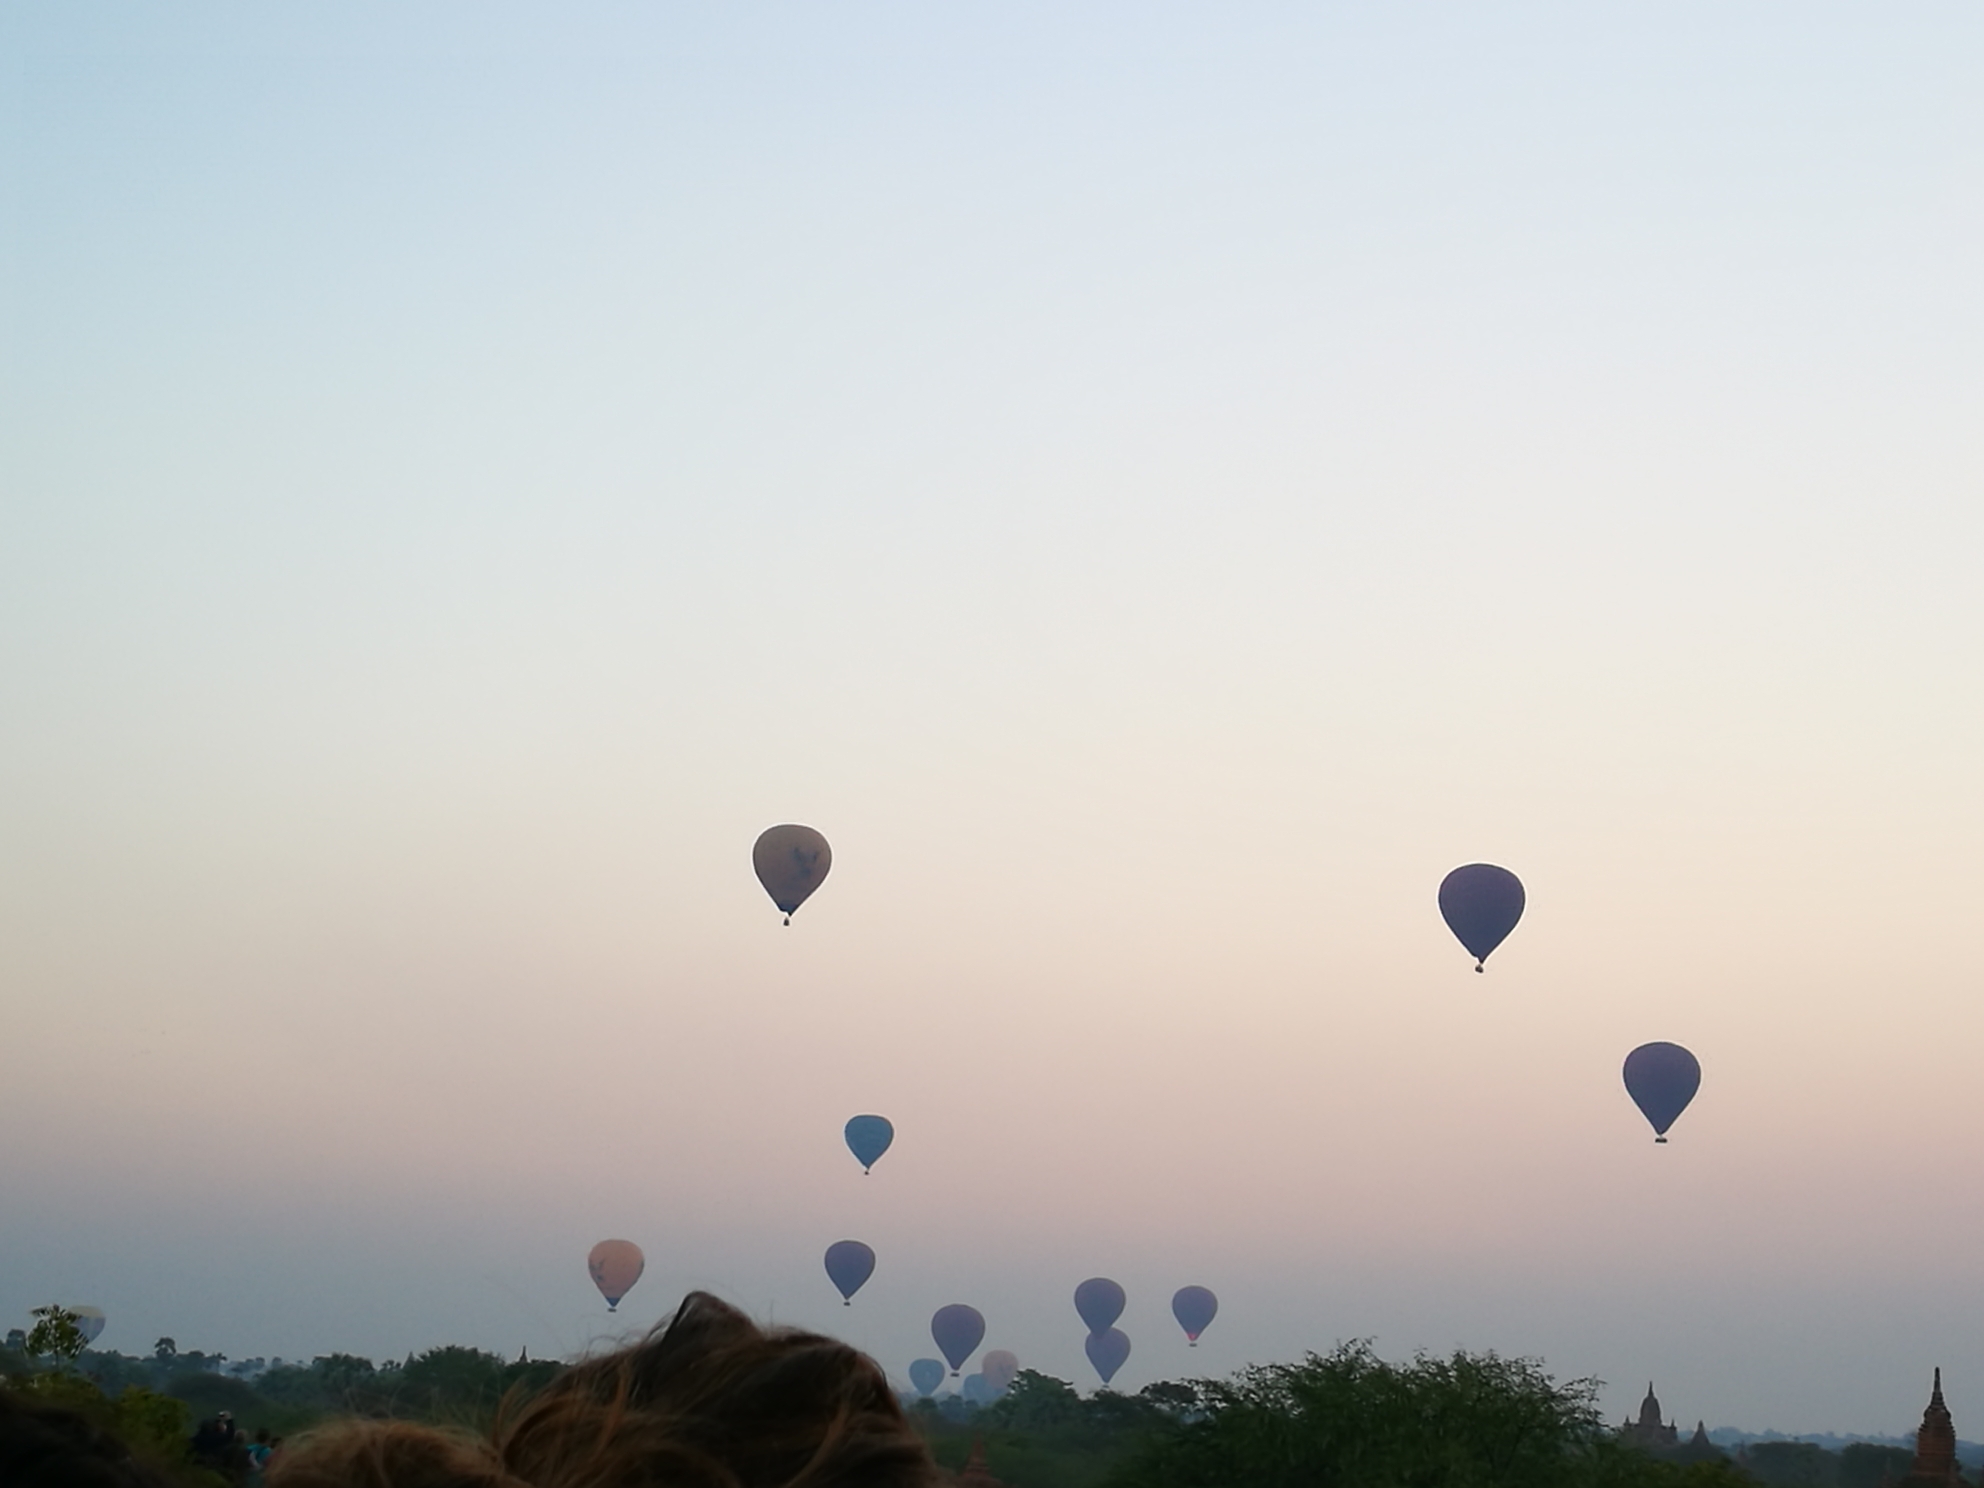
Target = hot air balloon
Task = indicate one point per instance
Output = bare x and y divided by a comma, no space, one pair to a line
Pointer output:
1481,904
791,862
1195,1308
1100,1302
849,1265
1107,1352
958,1330
1662,1079
999,1366
978,1390
615,1265
926,1374
868,1137
89,1322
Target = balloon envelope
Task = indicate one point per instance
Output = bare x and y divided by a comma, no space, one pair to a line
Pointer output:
999,1366
89,1321
1107,1352
1194,1307
615,1265
791,862
849,1265
1481,904
978,1390
957,1330
868,1137
1100,1302
926,1374
1662,1079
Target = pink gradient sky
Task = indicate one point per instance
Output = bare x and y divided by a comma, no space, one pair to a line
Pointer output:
1157,490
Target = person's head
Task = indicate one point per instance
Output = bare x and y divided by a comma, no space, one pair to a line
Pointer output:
710,1401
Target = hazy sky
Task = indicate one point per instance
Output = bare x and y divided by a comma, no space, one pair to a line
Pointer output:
1157,486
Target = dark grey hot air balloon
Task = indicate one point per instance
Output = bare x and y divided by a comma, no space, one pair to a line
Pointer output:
1195,1308
957,1330
926,1374
791,862
849,1265
1662,1079
1481,904
1108,1352
1100,1302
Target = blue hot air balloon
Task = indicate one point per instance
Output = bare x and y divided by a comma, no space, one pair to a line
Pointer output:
1481,904
1662,1079
1100,1302
868,1137
978,1390
957,1330
849,1265
926,1374
1195,1308
1107,1352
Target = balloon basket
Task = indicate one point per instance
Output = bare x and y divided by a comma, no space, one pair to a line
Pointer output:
1660,1141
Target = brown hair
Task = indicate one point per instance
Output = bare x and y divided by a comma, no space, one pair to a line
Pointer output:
710,1401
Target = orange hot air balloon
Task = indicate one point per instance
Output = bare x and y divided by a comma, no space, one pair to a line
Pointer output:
615,1265
791,862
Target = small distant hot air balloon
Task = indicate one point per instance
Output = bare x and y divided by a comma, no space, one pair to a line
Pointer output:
1100,1302
957,1330
1662,1079
615,1265
849,1265
1194,1307
926,1374
1107,1352
89,1322
1481,904
978,1390
791,862
999,1366
868,1137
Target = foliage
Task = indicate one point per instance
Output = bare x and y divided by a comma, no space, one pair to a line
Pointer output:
1044,1434
156,1428
56,1334
1352,1420
1866,1464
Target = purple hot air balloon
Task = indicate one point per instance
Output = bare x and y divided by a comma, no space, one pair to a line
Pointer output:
957,1331
1107,1352
849,1265
1481,904
1100,1302
1662,1079
926,1374
1195,1307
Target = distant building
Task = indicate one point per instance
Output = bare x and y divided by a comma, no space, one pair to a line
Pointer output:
1698,1448
1935,1446
1648,1431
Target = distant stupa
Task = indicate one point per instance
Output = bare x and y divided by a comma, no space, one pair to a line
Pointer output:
1935,1445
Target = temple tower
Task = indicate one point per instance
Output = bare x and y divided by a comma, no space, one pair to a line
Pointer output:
1935,1445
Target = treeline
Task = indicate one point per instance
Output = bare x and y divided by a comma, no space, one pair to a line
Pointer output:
1348,1418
